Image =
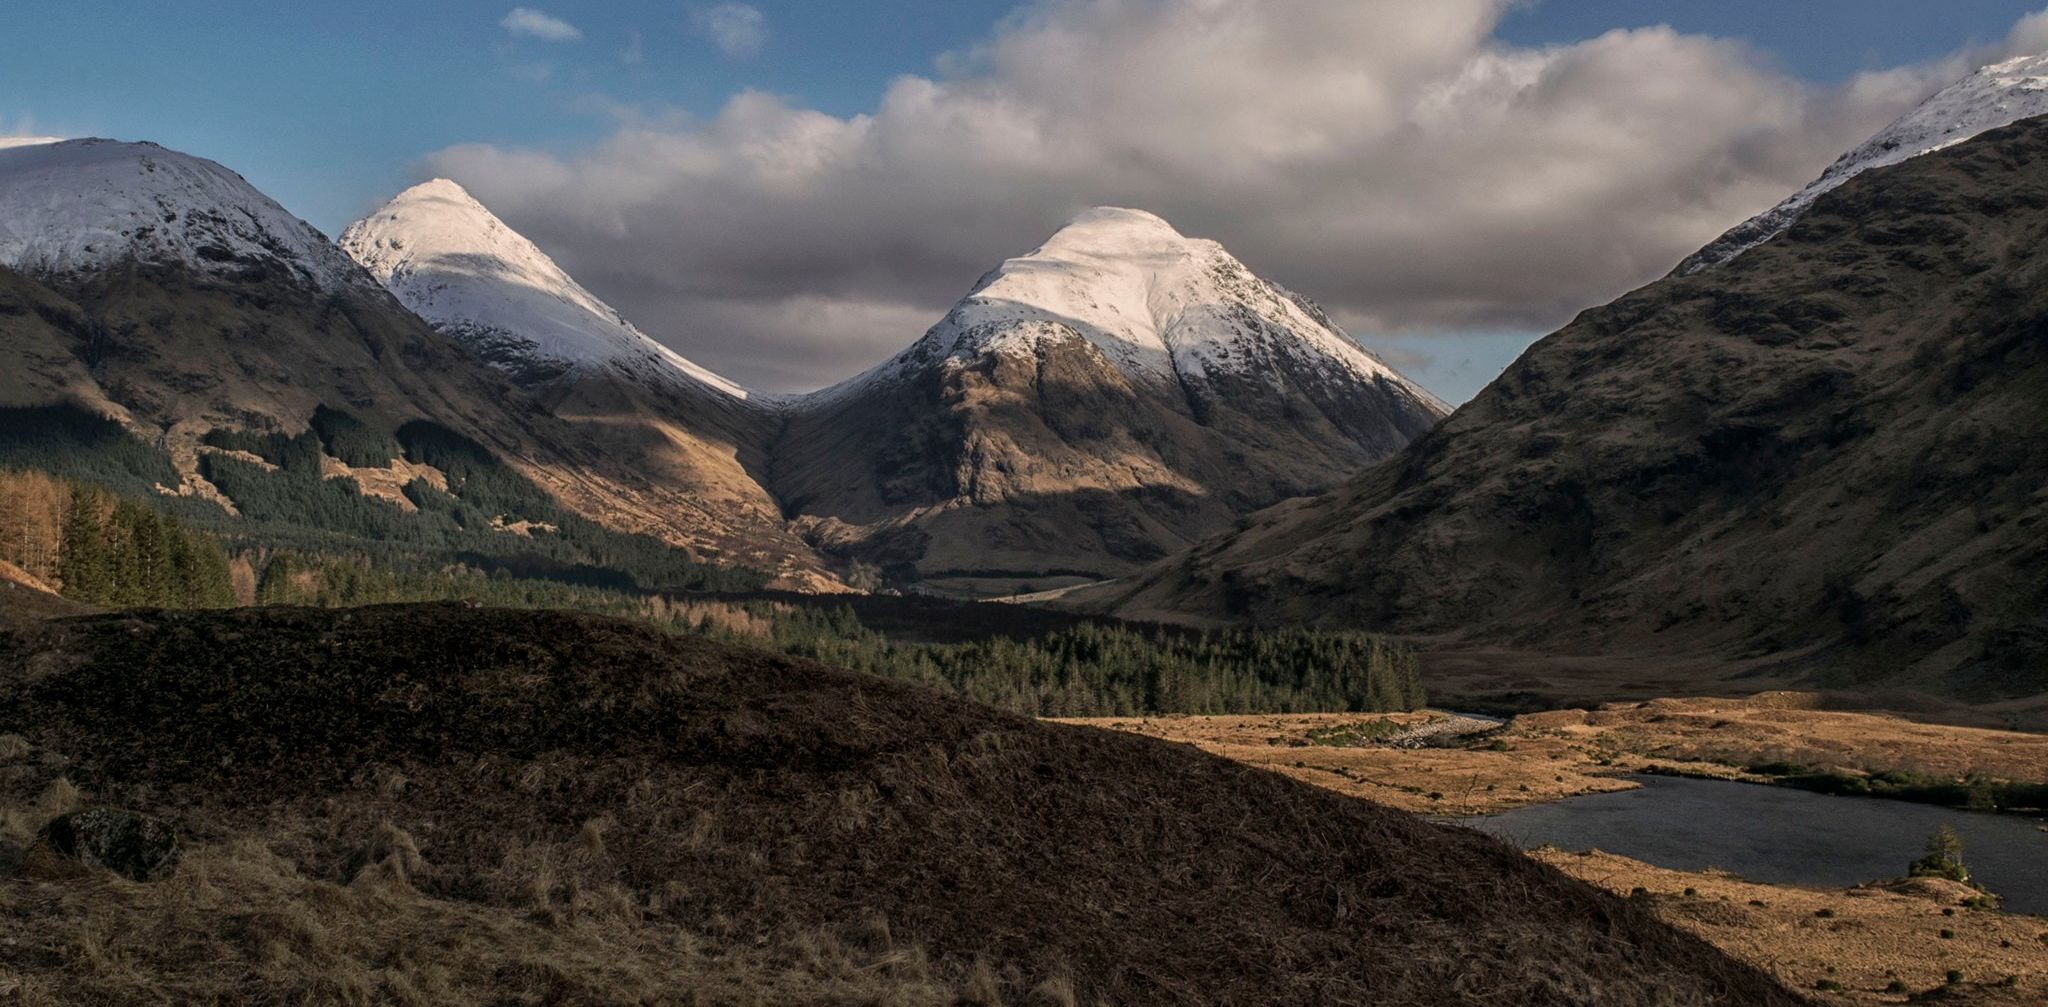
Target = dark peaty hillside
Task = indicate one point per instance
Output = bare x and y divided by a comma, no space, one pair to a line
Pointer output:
594,812
1825,455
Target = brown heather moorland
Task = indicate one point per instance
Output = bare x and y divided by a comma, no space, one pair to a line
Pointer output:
433,804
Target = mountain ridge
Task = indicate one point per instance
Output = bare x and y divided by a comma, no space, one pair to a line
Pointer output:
1993,96
1812,460
233,316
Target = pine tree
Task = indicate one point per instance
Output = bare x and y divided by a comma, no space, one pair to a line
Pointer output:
1943,857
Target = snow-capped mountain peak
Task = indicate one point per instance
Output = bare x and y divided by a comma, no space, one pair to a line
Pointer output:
453,262
74,206
1994,96
1156,303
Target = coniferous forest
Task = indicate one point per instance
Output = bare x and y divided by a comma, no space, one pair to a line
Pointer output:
105,550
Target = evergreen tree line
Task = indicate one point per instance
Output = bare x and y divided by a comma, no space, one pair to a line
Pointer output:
1081,671
95,547
1104,669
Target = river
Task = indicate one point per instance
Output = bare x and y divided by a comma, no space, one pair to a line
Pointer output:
1779,835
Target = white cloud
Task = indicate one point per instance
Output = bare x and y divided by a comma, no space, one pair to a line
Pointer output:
1394,161
738,30
541,25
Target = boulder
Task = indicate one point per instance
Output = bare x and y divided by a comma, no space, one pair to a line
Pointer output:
133,845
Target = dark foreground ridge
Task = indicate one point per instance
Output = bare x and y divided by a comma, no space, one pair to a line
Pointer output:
434,804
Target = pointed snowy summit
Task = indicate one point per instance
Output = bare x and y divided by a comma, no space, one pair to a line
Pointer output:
69,207
454,263
1157,304
1997,95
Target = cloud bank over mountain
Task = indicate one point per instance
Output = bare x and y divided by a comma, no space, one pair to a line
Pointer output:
1397,163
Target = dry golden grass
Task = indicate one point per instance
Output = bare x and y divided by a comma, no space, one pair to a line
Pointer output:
1433,781
1543,757
240,922
1792,728
1864,938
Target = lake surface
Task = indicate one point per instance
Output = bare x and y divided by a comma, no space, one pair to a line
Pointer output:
1779,835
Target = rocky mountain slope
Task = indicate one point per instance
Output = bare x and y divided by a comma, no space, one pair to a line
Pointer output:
1117,393
447,806
696,434
164,291
1820,456
1994,96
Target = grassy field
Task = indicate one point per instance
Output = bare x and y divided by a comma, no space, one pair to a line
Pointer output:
1775,738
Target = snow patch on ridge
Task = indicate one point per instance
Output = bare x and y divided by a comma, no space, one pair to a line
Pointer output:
1997,95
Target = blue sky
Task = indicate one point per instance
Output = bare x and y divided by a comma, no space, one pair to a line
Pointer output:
331,107
328,106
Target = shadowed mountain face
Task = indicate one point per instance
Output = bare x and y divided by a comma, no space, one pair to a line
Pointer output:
1116,394
1824,454
497,802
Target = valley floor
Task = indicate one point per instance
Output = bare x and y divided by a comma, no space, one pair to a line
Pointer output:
1538,757
1873,943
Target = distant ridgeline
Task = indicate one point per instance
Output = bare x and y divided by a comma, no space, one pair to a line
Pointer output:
456,503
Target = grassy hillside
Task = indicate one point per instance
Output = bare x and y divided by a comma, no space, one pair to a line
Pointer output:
431,804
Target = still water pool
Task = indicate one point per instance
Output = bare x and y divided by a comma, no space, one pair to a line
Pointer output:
1779,835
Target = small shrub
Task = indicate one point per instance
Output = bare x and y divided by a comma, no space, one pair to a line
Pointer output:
1955,977
1826,914
1943,857
1895,986
1691,891
1947,934
1830,986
